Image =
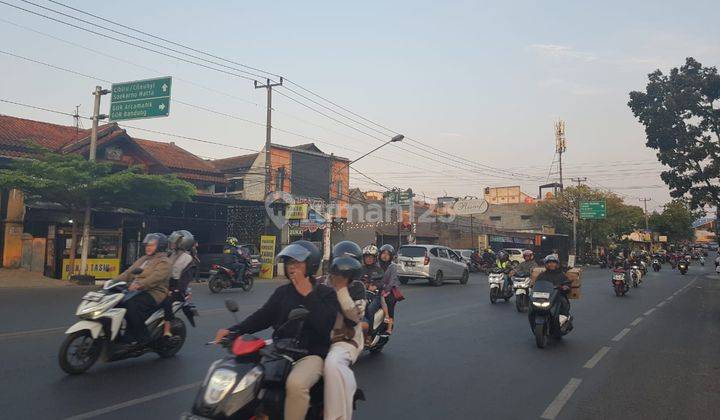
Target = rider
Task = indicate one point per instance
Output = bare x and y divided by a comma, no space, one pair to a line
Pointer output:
476,258
347,336
182,272
235,257
554,274
372,275
527,266
390,283
503,264
301,259
151,284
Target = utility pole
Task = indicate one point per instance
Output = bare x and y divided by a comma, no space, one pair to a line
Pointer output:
268,129
98,93
575,215
578,180
560,146
645,201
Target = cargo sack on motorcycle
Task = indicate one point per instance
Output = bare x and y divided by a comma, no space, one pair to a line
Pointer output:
575,276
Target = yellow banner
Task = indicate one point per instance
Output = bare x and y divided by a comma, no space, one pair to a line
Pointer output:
101,268
267,256
296,212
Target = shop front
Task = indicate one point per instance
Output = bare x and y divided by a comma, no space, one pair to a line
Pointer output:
104,253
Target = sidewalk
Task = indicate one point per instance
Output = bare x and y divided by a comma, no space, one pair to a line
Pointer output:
22,278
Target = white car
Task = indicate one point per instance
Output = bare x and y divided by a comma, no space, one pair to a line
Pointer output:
434,263
515,255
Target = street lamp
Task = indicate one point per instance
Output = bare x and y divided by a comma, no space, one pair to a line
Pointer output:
395,139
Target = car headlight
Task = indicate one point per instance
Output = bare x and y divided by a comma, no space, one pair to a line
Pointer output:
248,380
219,385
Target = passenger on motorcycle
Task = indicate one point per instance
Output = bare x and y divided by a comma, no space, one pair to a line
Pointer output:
372,275
301,260
555,275
182,272
347,335
527,266
151,285
390,283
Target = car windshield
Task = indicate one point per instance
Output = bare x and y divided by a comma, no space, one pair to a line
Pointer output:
412,251
466,253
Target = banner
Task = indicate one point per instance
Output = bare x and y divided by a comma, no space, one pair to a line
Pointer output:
267,256
296,211
101,268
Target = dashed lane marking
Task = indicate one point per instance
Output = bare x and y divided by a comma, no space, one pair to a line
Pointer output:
650,311
636,321
661,304
562,398
596,358
621,334
19,334
433,319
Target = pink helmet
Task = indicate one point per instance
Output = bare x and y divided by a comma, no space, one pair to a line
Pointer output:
528,253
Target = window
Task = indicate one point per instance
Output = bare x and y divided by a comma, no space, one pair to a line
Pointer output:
412,251
525,217
443,253
453,255
339,189
495,218
435,252
280,179
237,184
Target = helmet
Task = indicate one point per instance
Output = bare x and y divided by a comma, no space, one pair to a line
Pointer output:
160,238
187,241
370,250
551,258
232,241
346,265
302,251
502,256
174,238
348,248
389,248
527,253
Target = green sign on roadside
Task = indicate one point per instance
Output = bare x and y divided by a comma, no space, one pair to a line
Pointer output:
140,99
592,210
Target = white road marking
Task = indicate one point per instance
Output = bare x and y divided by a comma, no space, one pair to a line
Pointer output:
621,334
650,311
596,358
661,304
136,401
562,398
636,321
32,332
433,319
669,298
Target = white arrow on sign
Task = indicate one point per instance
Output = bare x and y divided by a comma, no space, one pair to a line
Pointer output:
161,107
164,87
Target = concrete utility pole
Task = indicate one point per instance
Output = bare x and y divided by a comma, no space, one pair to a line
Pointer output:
645,201
99,92
578,180
268,129
560,146
575,211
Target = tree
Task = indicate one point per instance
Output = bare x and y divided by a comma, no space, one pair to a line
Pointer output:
70,181
620,218
682,122
675,221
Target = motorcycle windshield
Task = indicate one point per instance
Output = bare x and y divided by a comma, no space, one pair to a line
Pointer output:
544,286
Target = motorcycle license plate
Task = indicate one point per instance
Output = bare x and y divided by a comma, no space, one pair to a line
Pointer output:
93,296
541,295
409,263
619,277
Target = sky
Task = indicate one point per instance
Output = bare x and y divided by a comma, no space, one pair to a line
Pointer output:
483,82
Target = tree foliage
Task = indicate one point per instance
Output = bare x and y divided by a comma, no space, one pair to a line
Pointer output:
70,180
621,218
681,115
675,221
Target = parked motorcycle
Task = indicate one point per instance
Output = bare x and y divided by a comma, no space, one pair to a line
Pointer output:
250,382
498,287
102,329
225,278
683,267
656,265
620,282
521,285
544,314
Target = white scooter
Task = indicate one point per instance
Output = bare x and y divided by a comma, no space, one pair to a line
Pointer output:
498,288
102,326
521,285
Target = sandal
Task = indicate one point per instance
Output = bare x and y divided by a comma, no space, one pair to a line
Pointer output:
389,322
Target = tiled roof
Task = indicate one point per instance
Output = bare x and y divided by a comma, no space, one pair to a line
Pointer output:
180,161
18,132
235,163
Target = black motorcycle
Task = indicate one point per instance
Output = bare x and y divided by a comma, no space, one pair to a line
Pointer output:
656,265
544,315
250,383
683,267
225,278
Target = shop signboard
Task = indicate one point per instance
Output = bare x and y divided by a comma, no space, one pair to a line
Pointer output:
267,256
101,268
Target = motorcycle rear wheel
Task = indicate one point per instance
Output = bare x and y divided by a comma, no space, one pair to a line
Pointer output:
540,337
248,283
177,326
88,347
215,284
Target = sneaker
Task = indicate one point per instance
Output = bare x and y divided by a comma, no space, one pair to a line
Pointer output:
563,319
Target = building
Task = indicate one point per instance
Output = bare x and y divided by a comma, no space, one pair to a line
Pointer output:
507,195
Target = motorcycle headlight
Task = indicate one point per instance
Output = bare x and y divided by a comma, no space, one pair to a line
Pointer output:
544,304
248,380
219,385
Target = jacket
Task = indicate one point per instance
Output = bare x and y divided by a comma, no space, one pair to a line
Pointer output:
322,303
556,277
525,267
155,275
347,322
390,278
372,274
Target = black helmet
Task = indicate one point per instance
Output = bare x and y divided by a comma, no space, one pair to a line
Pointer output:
389,248
162,241
503,256
349,248
346,265
302,251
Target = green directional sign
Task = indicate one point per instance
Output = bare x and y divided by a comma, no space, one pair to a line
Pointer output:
140,99
592,210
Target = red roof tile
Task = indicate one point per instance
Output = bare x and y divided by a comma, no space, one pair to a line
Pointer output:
18,132
179,160
240,163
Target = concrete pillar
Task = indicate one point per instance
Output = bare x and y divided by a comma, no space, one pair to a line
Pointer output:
12,250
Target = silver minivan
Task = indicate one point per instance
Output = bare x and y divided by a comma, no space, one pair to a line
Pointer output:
434,263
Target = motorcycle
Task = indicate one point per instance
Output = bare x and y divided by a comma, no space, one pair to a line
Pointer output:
498,286
102,329
544,315
521,285
656,265
620,283
683,267
250,383
474,266
224,278
643,269
635,276
377,336
702,261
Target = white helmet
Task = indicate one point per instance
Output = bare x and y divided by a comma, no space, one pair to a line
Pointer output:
370,250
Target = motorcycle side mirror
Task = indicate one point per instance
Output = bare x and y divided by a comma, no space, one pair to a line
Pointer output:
231,305
137,271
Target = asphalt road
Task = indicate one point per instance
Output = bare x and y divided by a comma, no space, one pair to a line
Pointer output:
453,355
